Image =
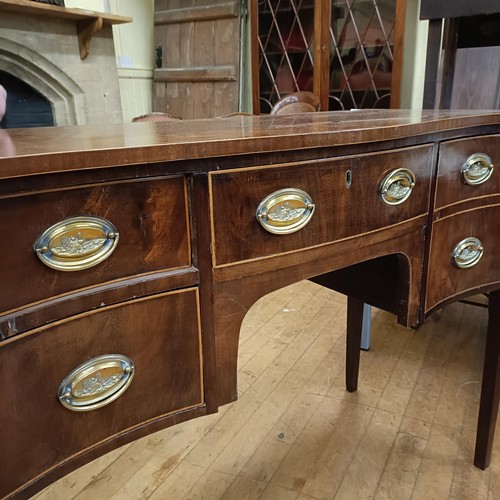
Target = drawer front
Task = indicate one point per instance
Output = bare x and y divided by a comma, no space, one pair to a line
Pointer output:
160,335
345,193
453,158
149,216
459,233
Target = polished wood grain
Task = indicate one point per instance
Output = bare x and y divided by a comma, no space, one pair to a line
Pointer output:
451,188
150,216
398,53
68,304
445,280
461,211
186,193
296,434
322,56
160,334
40,151
356,206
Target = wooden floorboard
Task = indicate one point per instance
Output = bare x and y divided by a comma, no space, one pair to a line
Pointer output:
296,434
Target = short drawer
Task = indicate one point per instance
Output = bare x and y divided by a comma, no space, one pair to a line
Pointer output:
464,170
345,193
463,254
159,335
150,217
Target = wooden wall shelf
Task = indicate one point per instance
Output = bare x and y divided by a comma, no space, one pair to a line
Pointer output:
88,22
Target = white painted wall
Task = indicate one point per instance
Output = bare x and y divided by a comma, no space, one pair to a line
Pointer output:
414,54
134,51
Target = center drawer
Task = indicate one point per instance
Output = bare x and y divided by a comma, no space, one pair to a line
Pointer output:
133,227
159,336
345,193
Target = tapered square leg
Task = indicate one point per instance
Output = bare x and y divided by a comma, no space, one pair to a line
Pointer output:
490,387
353,342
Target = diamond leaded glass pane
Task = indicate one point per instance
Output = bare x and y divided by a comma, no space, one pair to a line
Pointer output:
286,31
361,51
361,39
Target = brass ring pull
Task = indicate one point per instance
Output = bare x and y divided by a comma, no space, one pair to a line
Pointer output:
467,253
76,243
285,211
477,169
397,186
96,383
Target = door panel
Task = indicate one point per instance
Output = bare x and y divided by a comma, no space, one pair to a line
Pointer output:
197,47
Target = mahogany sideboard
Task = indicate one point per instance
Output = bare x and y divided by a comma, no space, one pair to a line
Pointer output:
132,252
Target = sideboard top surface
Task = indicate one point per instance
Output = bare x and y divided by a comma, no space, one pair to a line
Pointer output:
55,149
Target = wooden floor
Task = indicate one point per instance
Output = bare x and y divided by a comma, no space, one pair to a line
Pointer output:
294,433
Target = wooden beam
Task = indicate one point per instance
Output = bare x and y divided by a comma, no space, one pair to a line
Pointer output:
397,64
200,13
200,74
321,79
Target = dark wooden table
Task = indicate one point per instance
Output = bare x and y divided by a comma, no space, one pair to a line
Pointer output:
131,254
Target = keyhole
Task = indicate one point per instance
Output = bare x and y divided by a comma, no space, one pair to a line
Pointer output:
348,178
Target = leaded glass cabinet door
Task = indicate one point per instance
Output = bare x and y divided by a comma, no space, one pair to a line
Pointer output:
362,53
285,49
348,52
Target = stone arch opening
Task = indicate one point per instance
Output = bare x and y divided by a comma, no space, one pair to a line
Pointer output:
65,96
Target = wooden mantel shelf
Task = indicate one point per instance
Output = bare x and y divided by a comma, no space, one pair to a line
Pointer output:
88,22
44,9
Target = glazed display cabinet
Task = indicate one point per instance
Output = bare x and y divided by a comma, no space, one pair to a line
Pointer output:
348,52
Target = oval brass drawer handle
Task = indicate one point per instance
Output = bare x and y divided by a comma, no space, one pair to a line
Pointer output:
96,383
467,253
76,243
397,186
285,211
477,169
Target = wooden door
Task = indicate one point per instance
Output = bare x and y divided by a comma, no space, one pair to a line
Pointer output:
197,45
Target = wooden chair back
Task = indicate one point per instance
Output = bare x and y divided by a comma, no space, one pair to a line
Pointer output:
156,116
297,102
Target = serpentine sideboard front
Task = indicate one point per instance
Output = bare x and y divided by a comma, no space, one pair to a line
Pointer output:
131,254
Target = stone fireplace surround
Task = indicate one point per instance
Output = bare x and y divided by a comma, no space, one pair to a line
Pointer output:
43,51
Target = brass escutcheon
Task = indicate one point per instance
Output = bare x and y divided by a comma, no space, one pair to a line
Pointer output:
467,253
477,169
285,211
96,383
397,186
76,243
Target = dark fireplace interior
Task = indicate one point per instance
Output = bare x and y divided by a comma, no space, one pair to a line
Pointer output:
25,106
